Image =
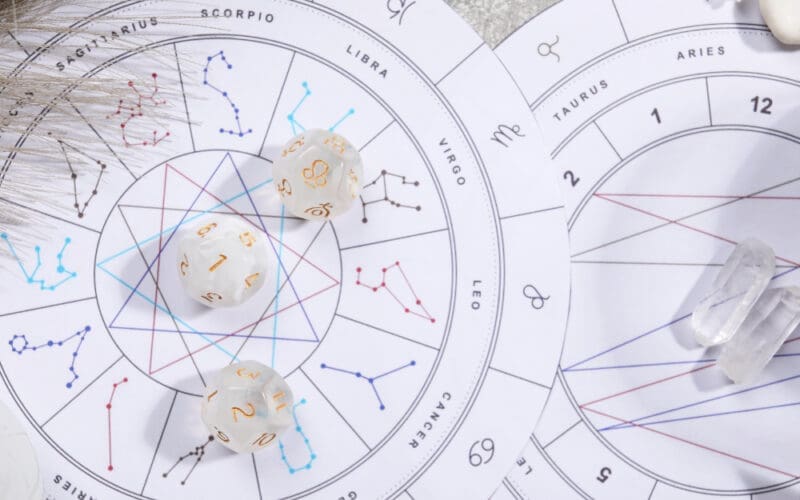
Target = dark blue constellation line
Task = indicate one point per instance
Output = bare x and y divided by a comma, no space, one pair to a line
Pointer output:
224,93
19,349
299,429
368,379
30,277
297,125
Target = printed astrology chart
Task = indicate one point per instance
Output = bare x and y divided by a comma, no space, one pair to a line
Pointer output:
675,132
420,332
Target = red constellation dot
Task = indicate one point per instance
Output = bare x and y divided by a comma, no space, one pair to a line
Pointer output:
407,310
108,406
125,379
358,269
433,320
383,270
374,289
419,302
358,282
110,467
155,75
383,284
130,83
397,263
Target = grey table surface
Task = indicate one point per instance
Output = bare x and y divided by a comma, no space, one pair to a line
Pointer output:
494,20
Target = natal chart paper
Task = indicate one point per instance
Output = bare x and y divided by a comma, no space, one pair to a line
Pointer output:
420,332
675,129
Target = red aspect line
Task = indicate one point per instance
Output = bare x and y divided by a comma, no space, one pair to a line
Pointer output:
108,409
704,447
158,269
202,188
649,384
234,333
692,228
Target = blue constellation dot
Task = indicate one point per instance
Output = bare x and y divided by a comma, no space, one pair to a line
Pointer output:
60,269
291,471
313,456
74,354
52,288
383,407
241,134
69,385
323,365
4,236
208,58
224,94
303,401
413,363
34,348
30,280
50,343
221,131
308,466
37,248
230,66
358,374
67,240
60,343
298,429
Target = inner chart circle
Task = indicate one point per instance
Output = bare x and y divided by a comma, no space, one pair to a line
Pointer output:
656,231
171,337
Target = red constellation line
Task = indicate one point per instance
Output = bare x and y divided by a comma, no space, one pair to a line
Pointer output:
108,409
135,110
383,286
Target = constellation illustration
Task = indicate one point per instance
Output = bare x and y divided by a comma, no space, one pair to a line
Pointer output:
368,379
134,109
299,429
199,452
420,311
381,180
297,126
31,277
19,344
80,209
108,410
240,132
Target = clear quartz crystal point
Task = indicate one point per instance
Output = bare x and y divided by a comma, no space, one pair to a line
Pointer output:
743,278
774,317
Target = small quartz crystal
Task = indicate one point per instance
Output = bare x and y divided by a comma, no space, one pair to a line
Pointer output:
775,316
743,278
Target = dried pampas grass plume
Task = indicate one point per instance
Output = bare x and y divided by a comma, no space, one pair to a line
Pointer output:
42,105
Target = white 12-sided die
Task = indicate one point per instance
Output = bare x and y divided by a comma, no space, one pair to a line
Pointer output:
247,406
223,261
318,174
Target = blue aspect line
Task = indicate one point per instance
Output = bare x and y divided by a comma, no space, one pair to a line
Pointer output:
169,313
718,414
638,337
697,403
642,365
368,379
172,234
224,94
212,334
277,288
299,429
30,278
184,222
275,251
25,346
662,363
634,339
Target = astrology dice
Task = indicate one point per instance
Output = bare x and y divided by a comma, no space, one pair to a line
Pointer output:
223,262
318,174
247,406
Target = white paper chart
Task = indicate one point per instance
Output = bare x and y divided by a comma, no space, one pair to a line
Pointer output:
674,126
420,332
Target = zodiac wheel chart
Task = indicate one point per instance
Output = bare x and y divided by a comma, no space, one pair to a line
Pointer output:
675,140
420,331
